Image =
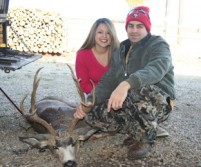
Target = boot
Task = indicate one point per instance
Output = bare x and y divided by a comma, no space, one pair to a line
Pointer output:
129,141
139,150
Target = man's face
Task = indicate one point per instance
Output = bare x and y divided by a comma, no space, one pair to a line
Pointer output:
136,31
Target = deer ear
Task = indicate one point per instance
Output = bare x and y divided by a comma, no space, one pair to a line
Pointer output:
29,140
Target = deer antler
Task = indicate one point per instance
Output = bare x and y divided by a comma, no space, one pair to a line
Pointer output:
32,116
86,106
77,84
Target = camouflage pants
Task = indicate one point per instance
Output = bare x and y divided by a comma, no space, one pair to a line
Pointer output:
142,111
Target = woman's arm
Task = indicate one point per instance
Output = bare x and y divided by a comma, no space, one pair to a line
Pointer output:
82,72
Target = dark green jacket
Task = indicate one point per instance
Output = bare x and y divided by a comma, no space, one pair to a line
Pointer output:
149,63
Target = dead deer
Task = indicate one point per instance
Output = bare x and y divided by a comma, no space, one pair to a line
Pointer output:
55,116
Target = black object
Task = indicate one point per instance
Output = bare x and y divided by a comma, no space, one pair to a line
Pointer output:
11,60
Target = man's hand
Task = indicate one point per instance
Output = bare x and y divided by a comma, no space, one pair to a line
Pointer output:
118,96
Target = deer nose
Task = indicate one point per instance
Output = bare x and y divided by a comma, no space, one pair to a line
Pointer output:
70,163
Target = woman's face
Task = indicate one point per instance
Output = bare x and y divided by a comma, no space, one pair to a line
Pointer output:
102,36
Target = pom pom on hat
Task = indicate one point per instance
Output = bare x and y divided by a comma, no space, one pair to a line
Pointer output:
141,14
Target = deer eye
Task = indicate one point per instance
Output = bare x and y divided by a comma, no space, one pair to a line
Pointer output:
43,149
55,147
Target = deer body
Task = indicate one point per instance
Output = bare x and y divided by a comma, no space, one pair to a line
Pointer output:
54,112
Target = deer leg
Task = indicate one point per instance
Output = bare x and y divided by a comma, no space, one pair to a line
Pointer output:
87,134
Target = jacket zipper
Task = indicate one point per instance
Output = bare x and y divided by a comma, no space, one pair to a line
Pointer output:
126,61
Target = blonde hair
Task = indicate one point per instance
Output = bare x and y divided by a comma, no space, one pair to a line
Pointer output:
90,40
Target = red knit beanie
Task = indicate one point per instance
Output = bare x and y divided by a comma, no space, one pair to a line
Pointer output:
141,14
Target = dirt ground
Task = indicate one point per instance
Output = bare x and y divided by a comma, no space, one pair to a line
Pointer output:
181,149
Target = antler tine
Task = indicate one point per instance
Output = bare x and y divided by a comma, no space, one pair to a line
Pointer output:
22,105
77,84
35,86
93,93
33,116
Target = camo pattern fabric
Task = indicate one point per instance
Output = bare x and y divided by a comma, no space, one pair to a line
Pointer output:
142,111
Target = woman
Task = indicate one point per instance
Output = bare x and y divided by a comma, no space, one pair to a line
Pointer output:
93,57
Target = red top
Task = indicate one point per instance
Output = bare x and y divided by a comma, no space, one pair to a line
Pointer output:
88,68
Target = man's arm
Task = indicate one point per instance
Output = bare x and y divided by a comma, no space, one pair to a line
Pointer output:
118,96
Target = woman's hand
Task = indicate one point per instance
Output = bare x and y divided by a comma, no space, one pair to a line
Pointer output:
118,96
79,114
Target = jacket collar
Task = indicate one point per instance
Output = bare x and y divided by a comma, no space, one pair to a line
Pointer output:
144,40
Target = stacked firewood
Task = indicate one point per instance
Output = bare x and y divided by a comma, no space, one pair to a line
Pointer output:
36,31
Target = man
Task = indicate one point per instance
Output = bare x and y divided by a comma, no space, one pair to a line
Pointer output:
139,85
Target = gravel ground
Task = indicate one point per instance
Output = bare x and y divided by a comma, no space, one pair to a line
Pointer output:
181,149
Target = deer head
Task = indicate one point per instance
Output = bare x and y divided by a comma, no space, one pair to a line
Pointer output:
64,148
